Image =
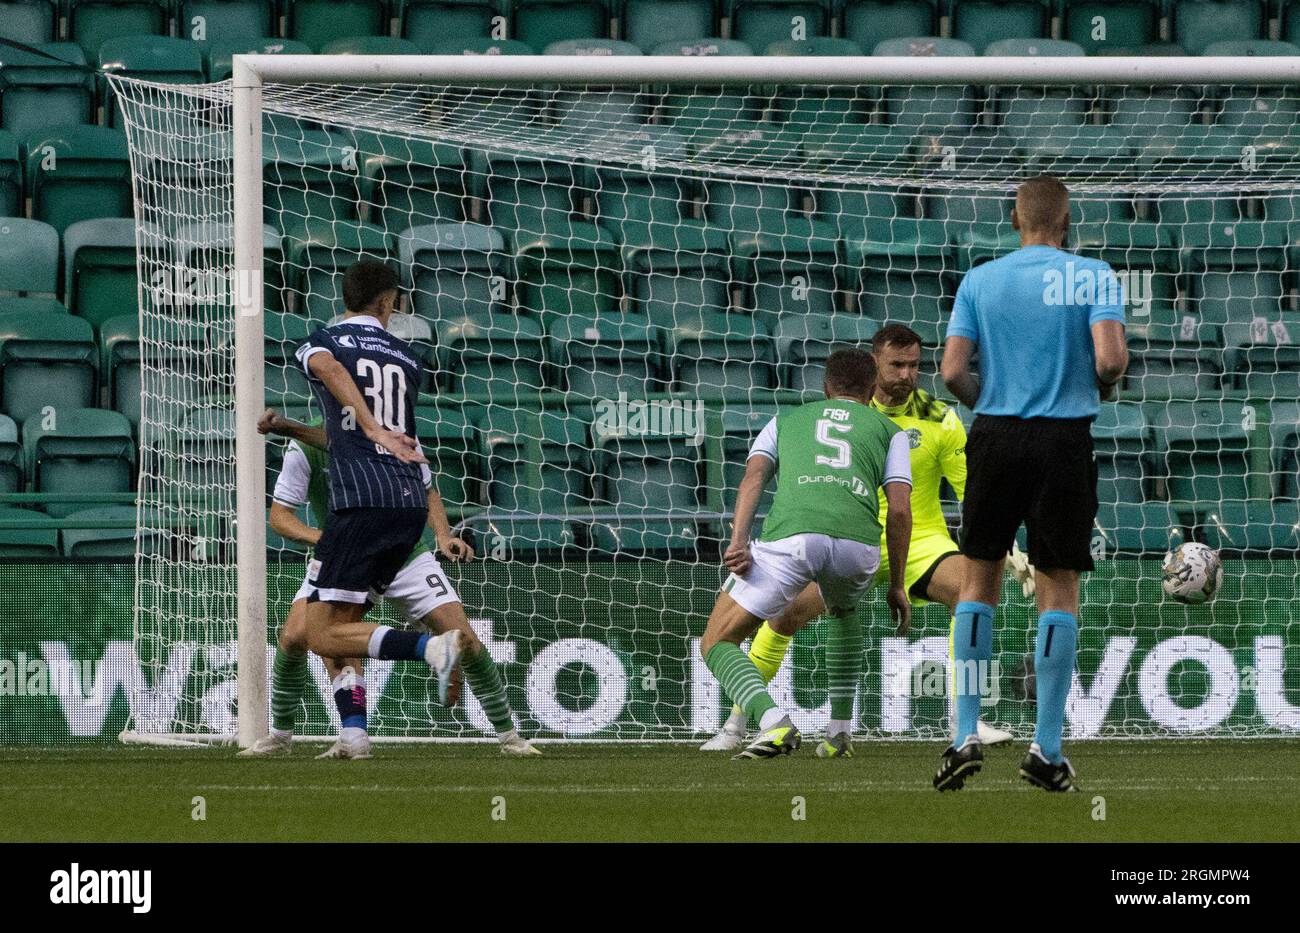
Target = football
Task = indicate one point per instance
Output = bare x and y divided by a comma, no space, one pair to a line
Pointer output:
1192,573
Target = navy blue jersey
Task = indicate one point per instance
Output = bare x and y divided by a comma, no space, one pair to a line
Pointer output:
386,370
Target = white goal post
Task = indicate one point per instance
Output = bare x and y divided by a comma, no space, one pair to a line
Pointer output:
253,74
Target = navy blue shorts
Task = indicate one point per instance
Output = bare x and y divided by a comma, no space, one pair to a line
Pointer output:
361,550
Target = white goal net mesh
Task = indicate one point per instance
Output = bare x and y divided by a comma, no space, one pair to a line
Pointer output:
614,288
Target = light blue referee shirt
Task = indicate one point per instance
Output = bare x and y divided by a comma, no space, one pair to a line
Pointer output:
1029,315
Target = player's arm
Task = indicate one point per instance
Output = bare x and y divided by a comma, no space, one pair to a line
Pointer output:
758,472
897,483
290,493
955,369
1112,355
452,547
272,422
340,384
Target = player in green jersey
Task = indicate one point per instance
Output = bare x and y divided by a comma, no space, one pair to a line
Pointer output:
831,458
420,588
937,441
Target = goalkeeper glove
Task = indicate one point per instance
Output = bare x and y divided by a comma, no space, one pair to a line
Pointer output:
1020,567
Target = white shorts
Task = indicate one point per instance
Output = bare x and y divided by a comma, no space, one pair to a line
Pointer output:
419,587
843,569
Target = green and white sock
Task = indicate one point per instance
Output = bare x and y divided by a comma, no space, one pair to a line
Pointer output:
740,679
843,666
485,680
288,678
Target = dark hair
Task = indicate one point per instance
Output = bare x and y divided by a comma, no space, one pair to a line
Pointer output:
364,281
852,371
895,335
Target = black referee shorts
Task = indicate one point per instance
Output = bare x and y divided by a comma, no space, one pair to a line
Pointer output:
1041,472
362,549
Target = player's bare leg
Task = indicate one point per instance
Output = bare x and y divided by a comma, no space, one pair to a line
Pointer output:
729,624
339,630
767,651
483,676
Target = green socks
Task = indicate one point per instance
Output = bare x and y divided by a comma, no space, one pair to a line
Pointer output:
484,679
740,679
843,664
289,676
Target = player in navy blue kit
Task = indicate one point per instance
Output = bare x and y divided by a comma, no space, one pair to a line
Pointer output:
367,381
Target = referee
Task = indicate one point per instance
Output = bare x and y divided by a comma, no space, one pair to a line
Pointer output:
1049,329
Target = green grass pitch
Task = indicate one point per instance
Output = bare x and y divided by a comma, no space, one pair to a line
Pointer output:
1152,790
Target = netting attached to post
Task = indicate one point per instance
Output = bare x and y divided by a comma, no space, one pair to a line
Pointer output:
613,289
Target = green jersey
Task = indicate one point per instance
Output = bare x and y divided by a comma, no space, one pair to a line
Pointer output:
831,459
305,480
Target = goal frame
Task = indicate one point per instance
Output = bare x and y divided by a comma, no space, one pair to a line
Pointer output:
251,72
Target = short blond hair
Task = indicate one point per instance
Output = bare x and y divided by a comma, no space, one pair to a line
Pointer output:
1042,204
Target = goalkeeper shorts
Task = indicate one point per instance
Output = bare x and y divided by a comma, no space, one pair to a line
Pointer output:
844,570
925,553
419,587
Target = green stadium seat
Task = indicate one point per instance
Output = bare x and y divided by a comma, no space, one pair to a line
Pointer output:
851,210
703,47
1289,21
1133,528
674,272
409,182
1262,357
29,304
1237,269
282,335
541,22
759,23
901,268
75,450
1122,444
150,58
643,478
740,207
370,45
924,109
478,46
99,268
803,343
601,111
91,23
983,22
92,178
11,177
1173,360
1205,447
1125,23
735,427
119,349
309,176
210,243
319,253
1249,47
640,207
11,460
319,22
790,270
500,355
523,195
538,462
219,52
1197,24
453,269
34,541
1264,529
48,361
713,354
437,25
31,22
601,356
29,257
1138,113
43,90
823,111
870,22
111,542
209,21
562,275
1284,440
454,448
650,23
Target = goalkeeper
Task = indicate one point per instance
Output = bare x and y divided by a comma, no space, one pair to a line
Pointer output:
420,588
937,442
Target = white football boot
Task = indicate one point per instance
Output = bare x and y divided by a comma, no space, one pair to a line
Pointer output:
269,745
516,746
992,736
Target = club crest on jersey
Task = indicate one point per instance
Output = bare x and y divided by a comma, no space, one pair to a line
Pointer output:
346,341
913,438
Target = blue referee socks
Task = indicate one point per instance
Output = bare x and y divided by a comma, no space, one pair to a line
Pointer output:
1058,632
972,640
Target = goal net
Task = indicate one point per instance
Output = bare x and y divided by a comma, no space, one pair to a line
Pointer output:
615,283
